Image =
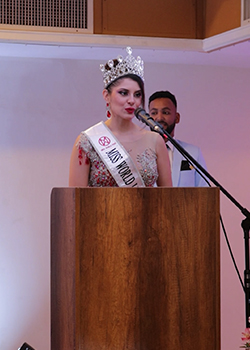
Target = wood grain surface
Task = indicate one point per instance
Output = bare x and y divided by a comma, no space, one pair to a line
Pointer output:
135,269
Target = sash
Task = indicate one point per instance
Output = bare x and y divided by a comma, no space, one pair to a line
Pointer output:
114,156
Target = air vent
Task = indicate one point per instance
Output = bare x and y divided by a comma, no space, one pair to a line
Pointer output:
245,12
64,15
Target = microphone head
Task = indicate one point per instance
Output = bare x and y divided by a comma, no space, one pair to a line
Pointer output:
139,110
144,117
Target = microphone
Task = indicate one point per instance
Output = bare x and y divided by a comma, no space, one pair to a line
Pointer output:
144,117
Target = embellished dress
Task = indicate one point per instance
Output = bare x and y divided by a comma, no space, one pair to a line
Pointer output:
144,158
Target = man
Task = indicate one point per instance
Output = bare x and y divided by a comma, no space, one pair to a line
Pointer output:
163,109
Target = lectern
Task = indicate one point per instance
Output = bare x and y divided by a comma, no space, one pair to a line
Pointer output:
135,269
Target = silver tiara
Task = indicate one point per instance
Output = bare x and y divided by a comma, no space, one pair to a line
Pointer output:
128,65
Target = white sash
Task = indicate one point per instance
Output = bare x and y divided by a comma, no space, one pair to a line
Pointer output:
114,156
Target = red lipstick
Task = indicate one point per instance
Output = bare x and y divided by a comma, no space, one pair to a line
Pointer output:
130,110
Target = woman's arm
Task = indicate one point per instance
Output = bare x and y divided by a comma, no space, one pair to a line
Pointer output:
163,163
79,168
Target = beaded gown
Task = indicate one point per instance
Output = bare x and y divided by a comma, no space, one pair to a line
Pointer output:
142,151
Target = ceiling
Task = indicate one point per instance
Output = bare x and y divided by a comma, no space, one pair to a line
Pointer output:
230,49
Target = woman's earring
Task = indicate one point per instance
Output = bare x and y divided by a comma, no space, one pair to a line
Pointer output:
108,111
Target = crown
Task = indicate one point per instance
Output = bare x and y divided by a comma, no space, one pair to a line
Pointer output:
128,65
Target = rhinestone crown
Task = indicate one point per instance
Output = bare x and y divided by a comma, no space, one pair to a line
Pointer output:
128,65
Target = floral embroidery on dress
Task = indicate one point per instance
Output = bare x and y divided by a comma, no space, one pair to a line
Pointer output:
148,167
100,176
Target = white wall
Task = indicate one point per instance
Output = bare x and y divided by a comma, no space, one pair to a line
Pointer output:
44,104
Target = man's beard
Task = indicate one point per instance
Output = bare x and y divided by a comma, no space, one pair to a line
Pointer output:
170,128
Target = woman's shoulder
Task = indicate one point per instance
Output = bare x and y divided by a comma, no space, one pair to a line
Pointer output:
152,135
82,142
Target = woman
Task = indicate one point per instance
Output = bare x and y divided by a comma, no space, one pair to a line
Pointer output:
119,152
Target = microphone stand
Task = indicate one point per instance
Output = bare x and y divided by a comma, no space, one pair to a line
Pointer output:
245,223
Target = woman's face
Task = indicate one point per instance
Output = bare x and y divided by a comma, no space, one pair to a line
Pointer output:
124,98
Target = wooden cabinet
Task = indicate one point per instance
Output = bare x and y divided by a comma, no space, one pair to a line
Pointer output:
187,19
221,16
150,18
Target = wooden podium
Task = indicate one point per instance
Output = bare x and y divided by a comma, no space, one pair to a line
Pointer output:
135,269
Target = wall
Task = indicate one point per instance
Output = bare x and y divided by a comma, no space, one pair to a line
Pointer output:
44,104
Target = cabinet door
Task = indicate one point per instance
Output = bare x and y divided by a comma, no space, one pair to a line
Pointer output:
150,18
